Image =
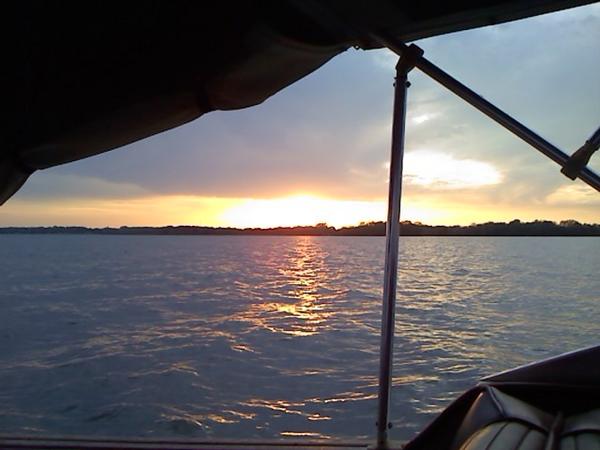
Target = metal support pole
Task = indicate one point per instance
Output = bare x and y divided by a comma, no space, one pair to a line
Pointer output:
411,57
391,253
585,174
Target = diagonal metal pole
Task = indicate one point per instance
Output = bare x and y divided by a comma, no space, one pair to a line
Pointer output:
391,252
585,174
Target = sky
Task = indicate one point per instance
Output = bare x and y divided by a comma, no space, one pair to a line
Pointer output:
319,150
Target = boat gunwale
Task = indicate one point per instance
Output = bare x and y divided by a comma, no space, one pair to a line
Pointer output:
90,443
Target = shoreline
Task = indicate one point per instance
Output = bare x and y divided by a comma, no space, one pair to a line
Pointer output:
513,228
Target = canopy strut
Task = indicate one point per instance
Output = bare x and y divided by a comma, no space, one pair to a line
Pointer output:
405,65
570,168
573,167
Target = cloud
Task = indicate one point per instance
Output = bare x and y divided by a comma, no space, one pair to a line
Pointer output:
436,170
574,194
422,118
49,184
384,58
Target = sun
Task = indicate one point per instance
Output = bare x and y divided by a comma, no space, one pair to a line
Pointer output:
304,210
299,210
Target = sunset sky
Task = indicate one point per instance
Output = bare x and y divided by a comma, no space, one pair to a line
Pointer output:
318,151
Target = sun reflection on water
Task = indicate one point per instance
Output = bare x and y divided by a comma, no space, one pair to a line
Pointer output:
302,285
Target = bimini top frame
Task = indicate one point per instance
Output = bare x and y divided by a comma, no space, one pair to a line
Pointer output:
573,167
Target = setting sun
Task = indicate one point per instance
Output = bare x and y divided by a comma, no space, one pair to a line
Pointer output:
301,210
309,210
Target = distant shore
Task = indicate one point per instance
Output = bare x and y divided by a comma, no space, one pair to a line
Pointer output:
407,228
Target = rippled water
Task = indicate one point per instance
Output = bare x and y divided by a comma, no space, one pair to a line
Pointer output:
269,337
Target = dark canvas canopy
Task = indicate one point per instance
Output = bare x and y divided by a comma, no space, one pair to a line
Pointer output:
82,78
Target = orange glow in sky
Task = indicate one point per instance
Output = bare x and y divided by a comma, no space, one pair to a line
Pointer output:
461,209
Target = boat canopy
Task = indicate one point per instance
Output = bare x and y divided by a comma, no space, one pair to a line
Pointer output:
82,78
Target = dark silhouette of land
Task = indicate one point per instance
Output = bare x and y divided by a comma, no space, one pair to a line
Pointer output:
407,228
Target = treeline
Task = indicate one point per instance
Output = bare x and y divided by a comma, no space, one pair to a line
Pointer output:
407,228
513,228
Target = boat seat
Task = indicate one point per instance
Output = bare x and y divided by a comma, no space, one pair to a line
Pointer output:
506,435
581,431
498,421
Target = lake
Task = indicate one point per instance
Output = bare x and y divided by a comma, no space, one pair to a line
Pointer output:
240,337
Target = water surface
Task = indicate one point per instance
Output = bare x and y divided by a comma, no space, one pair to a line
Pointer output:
271,337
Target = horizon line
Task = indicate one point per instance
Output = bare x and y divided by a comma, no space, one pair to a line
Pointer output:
321,225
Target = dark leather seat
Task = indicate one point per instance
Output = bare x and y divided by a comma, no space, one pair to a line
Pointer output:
506,435
581,431
497,421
